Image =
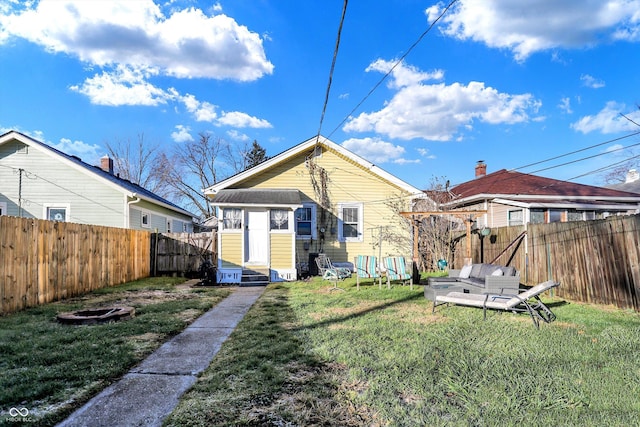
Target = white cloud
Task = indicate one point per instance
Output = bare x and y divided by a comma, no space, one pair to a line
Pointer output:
592,82
238,136
528,26
124,86
438,111
88,153
205,112
185,44
403,75
242,120
377,151
565,105
182,134
424,152
608,120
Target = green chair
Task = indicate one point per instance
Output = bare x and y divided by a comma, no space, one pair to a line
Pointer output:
396,270
367,268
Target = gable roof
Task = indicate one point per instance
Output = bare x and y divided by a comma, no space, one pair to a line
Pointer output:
525,187
125,186
304,147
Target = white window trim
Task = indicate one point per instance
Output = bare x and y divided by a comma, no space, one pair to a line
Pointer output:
231,230
65,206
360,207
314,222
290,219
142,214
3,208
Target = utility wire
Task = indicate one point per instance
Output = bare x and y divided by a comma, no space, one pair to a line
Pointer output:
333,65
576,151
398,62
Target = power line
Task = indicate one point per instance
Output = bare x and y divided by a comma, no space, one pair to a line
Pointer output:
375,87
576,151
333,65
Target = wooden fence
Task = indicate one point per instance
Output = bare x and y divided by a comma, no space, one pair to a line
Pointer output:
594,261
43,261
181,253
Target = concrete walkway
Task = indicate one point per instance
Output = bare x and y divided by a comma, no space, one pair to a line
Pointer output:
151,390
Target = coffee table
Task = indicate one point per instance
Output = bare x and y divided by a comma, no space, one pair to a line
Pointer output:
432,291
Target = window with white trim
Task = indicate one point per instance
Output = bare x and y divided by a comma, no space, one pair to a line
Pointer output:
3,208
516,217
350,222
306,221
145,219
278,219
231,219
56,212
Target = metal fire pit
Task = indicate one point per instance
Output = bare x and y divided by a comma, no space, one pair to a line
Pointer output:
96,315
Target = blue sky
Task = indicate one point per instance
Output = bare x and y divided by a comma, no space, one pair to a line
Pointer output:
510,83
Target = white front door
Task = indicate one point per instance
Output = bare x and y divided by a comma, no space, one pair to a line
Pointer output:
257,237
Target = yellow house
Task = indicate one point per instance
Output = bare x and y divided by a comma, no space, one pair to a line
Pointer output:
316,197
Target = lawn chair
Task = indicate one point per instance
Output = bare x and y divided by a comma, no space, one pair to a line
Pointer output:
527,301
396,270
329,272
367,268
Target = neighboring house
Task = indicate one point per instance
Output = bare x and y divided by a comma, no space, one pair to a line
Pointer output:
38,181
316,197
631,182
515,198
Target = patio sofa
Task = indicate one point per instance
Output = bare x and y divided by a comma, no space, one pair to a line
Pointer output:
480,279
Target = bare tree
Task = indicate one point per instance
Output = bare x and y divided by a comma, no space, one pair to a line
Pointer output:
618,173
195,166
136,162
437,232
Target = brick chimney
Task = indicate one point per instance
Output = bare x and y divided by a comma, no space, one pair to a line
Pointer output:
106,164
481,168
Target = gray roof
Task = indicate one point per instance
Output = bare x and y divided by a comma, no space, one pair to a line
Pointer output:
632,187
123,183
263,197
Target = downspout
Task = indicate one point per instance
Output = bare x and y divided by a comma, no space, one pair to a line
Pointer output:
127,219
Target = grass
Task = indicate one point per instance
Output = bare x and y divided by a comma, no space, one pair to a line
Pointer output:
51,369
307,356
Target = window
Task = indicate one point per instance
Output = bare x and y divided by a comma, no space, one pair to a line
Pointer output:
537,216
588,215
350,222
145,219
184,227
231,219
3,208
279,219
305,221
575,215
555,215
168,226
515,217
56,212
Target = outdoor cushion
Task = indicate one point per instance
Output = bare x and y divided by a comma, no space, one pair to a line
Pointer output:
465,272
498,272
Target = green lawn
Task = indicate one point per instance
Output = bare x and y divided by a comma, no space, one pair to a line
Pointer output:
307,356
50,369
304,355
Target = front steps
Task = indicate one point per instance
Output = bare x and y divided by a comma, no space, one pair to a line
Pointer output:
254,277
